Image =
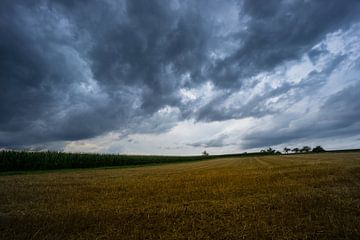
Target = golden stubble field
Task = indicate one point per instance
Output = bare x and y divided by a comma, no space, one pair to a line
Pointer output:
310,196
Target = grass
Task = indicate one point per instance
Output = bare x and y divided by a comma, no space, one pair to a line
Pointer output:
307,196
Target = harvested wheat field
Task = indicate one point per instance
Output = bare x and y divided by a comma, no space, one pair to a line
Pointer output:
305,196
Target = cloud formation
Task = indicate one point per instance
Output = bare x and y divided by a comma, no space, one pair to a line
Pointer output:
76,70
337,117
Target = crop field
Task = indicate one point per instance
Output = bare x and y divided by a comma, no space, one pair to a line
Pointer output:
29,161
305,196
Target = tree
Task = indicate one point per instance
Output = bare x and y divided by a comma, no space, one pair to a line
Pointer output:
295,150
205,153
318,149
286,150
270,150
306,149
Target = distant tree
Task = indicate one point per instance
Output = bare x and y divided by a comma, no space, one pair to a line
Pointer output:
306,149
278,153
263,151
286,150
205,153
318,149
295,150
270,150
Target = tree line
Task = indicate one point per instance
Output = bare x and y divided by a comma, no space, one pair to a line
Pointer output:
286,150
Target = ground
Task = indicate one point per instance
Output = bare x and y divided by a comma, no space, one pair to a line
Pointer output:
303,196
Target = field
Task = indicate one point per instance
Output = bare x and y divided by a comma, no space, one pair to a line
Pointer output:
306,196
29,161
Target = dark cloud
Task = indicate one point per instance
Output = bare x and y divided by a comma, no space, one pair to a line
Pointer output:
279,31
337,117
259,106
150,49
316,53
254,107
77,69
218,141
341,110
44,78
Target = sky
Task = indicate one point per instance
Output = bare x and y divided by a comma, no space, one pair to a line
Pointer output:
179,76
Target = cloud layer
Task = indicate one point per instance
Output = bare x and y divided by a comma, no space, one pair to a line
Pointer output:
78,70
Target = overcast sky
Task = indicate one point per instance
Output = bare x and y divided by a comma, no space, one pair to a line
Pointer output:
179,76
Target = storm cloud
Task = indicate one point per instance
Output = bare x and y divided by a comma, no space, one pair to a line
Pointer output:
77,70
338,117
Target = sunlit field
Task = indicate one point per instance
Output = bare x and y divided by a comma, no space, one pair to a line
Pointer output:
305,196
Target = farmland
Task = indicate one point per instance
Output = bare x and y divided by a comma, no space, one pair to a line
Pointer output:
24,161
303,196
30,161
